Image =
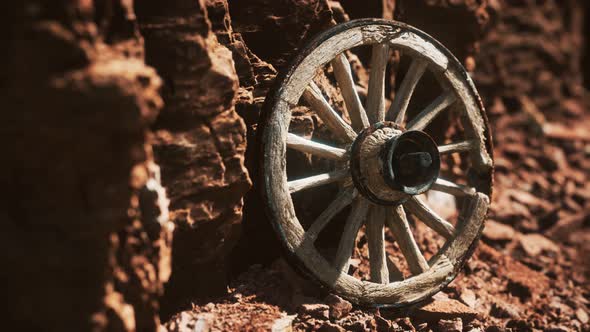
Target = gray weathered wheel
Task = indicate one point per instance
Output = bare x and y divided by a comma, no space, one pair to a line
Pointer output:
382,164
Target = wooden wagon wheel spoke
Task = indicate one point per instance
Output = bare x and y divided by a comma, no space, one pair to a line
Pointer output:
317,180
376,93
375,238
317,149
431,111
462,146
313,96
398,223
355,108
342,200
452,188
418,207
400,103
381,167
355,220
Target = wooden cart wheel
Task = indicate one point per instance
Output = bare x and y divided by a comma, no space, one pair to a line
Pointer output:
382,163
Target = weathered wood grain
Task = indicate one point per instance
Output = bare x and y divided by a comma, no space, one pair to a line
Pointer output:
412,289
355,220
376,240
418,46
452,188
317,180
317,149
431,111
473,122
418,207
470,225
342,200
313,96
376,93
400,228
397,110
463,146
355,108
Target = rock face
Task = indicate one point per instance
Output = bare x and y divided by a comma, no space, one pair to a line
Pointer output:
199,143
544,57
284,24
457,24
85,241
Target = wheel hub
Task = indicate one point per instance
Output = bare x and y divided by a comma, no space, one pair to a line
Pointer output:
388,164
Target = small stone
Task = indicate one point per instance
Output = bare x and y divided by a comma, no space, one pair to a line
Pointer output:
520,325
383,325
316,310
558,328
445,309
501,309
468,297
474,329
204,322
370,324
535,244
560,307
519,289
339,307
405,324
356,327
582,316
187,321
523,282
283,324
496,231
422,327
330,327
453,325
355,262
474,326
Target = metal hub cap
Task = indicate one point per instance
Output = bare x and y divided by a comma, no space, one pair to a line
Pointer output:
388,164
411,162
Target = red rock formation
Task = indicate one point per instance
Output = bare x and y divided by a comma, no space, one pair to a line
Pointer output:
86,240
284,24
199,143
534,51
457,24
